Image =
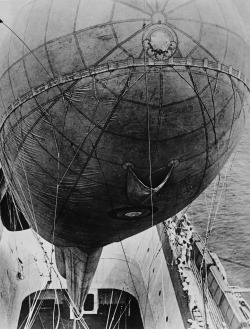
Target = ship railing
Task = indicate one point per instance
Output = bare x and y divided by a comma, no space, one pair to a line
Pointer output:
210,306
221,294
215,313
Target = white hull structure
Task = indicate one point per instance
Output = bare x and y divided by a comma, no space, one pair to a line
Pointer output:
136,266
140,274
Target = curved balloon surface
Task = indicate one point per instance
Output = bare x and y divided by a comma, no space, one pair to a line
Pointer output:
115,115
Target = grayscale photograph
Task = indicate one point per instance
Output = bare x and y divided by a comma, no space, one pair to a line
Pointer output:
124,164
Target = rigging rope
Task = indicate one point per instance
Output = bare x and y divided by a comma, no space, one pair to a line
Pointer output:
110,303
117,304
211,219
149,162
234,262
121,314
35,308
58,307
24,43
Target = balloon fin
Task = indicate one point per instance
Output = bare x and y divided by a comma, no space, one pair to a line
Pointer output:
79,268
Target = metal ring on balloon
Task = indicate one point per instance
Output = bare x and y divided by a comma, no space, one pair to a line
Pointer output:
160,42
132,213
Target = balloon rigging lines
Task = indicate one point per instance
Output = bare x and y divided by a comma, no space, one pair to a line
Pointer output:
27,48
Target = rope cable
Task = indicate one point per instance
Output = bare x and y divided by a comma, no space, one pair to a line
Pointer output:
112,319
121,314
149,162
211,219
24,43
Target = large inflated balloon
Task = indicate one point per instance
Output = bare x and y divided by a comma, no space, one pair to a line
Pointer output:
117,114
